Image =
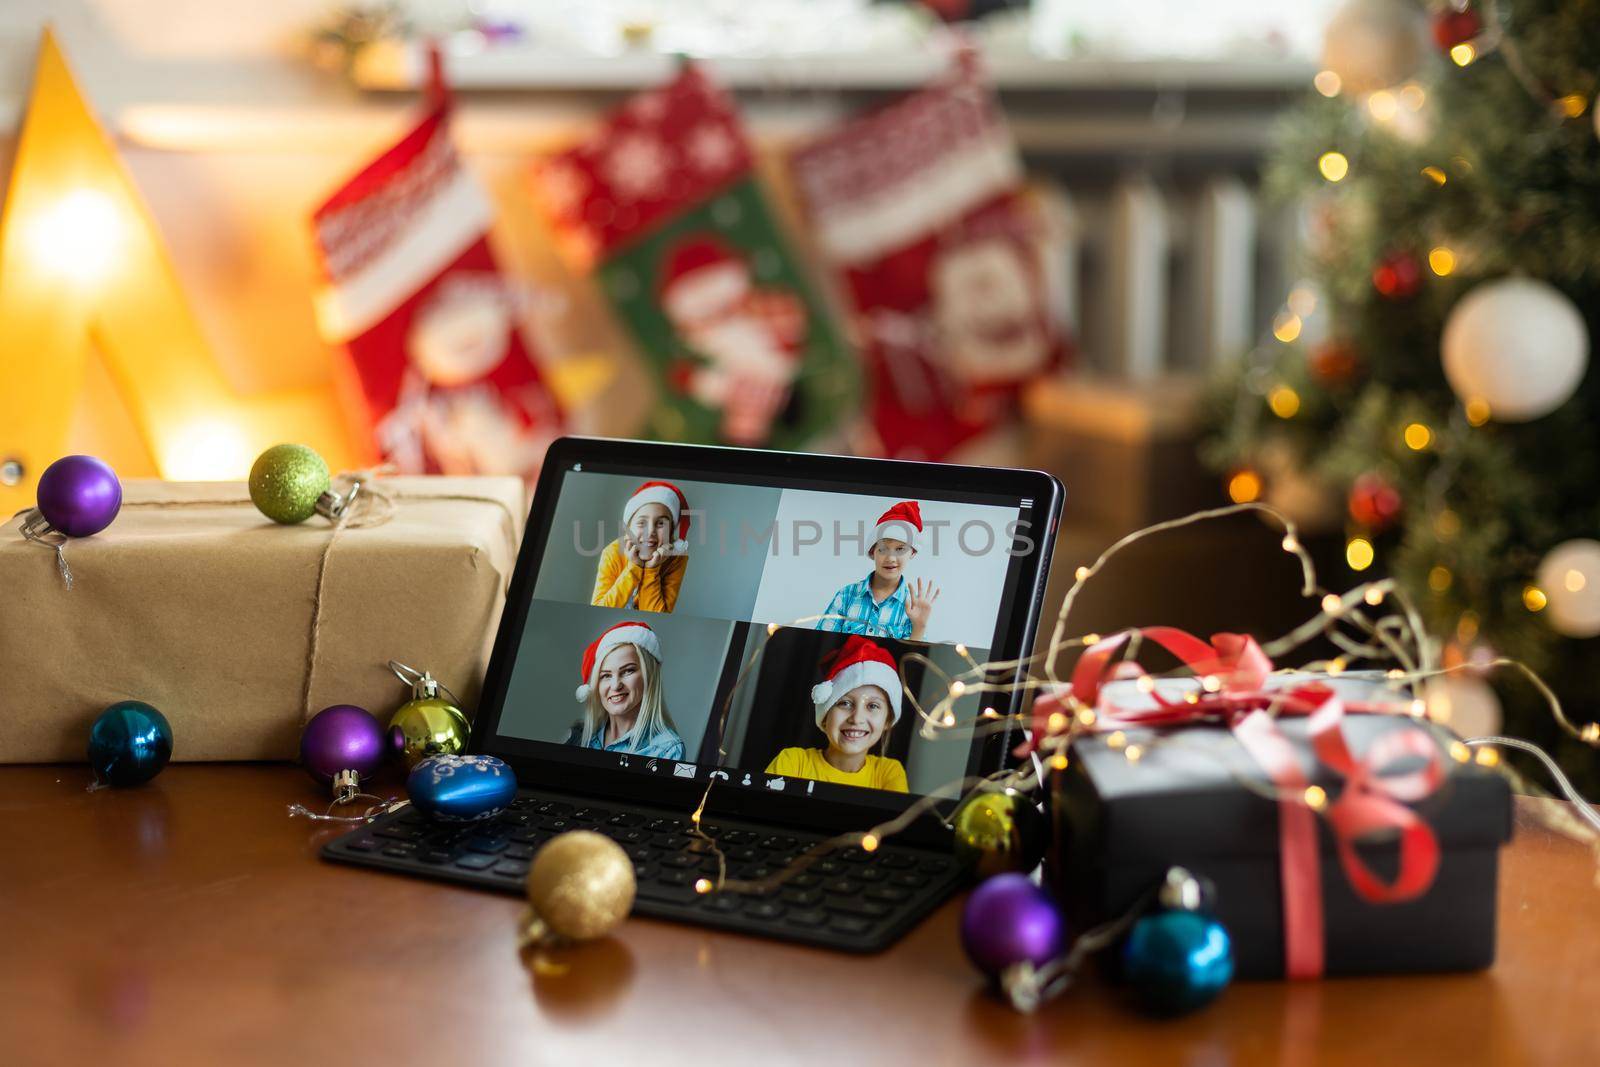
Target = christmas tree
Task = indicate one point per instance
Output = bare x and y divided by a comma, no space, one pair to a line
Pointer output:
1432,372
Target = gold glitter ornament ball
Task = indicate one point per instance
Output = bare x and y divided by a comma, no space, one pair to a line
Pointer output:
286,482
430,726
580,885
998,831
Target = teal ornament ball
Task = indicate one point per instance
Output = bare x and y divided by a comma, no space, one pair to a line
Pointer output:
287,481
129,743
1177,961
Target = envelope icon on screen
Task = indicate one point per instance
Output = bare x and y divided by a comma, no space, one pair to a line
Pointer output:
683,770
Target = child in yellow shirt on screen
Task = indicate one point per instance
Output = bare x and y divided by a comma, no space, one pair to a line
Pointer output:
857,703
644,567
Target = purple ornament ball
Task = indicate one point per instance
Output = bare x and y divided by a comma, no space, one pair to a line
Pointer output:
342,737
1008,919
79,495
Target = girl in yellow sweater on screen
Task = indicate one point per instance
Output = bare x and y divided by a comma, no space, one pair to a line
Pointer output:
644,567
857,703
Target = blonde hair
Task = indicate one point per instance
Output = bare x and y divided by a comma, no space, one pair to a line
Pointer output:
888,720
654,718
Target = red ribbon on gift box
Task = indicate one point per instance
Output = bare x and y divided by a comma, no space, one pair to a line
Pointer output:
1371,803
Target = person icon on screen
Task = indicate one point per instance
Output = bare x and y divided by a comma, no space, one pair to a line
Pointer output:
884,604
625,708
857,703
644,567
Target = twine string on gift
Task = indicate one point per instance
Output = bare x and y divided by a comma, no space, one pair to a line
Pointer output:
40,532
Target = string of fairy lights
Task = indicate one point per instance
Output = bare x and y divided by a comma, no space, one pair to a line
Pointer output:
1346,619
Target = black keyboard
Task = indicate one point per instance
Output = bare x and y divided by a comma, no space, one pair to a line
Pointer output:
846,900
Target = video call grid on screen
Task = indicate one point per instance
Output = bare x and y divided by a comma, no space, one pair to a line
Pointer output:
745,639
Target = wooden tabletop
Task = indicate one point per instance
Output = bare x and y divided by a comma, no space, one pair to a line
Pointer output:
190,921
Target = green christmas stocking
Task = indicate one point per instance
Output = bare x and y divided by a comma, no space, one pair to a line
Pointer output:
662,205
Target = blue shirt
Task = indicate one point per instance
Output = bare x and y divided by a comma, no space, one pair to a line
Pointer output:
856,612
664,744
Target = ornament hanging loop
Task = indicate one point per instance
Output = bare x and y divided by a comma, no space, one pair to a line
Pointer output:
36,528
424,686
332,505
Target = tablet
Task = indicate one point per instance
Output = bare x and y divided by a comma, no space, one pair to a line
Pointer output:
759,629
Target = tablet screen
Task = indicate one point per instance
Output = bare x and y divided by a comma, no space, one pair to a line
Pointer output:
771,636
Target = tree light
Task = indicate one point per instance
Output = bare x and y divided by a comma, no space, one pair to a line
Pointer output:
1327,83
1358,553
1533,598
1417,436
1463,54
1435,174
1439,578
1284,402
1477,409
1244,487
1441,261
1383,105
1333,165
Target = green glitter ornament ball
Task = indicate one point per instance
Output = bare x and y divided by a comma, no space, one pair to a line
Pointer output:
286,482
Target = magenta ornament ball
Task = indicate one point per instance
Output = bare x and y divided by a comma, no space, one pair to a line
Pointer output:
1007,920
79,495
342,737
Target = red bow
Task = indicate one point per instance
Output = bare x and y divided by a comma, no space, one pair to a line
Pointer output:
1233,671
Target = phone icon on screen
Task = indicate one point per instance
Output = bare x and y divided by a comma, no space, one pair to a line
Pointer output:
719,774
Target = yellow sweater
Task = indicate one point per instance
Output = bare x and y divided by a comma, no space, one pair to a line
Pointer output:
879,772
621,583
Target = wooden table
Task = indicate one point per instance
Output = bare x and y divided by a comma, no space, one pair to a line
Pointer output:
190,922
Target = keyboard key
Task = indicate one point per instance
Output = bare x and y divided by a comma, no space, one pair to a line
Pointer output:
888,894
680,859
553,807
844,887
898,861
910,879
766,909
362,844
672,877
805,898
826,867
531,837
853,855
400,852
850,924
556,826
855,906
806,917
487,845
670,842
476,861
399,832
871,873
589,816
738,837
666,892
805,881
520,852
777,842
937,864
723,902
435,855
625,819
633,837
510,869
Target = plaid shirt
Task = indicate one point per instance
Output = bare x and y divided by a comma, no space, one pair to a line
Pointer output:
853,611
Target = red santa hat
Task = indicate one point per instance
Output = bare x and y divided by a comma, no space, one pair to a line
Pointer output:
670,497
858,662
636,634
903,522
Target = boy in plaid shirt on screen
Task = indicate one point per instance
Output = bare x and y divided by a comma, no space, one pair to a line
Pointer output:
884,604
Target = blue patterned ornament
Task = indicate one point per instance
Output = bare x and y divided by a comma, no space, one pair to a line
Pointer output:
461,788
1177,960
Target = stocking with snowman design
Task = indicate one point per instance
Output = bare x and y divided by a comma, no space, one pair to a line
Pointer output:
920,207
662,205
444,381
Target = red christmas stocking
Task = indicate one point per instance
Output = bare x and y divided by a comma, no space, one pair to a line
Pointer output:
920,207
431,327
663,206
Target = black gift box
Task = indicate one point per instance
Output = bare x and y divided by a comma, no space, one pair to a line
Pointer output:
1123,823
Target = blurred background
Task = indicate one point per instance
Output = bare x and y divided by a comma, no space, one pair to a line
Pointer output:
1340,257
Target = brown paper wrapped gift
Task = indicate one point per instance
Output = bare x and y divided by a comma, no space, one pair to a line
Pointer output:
193,602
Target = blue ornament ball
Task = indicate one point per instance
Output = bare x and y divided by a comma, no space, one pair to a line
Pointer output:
1177,961
129,743
461,788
